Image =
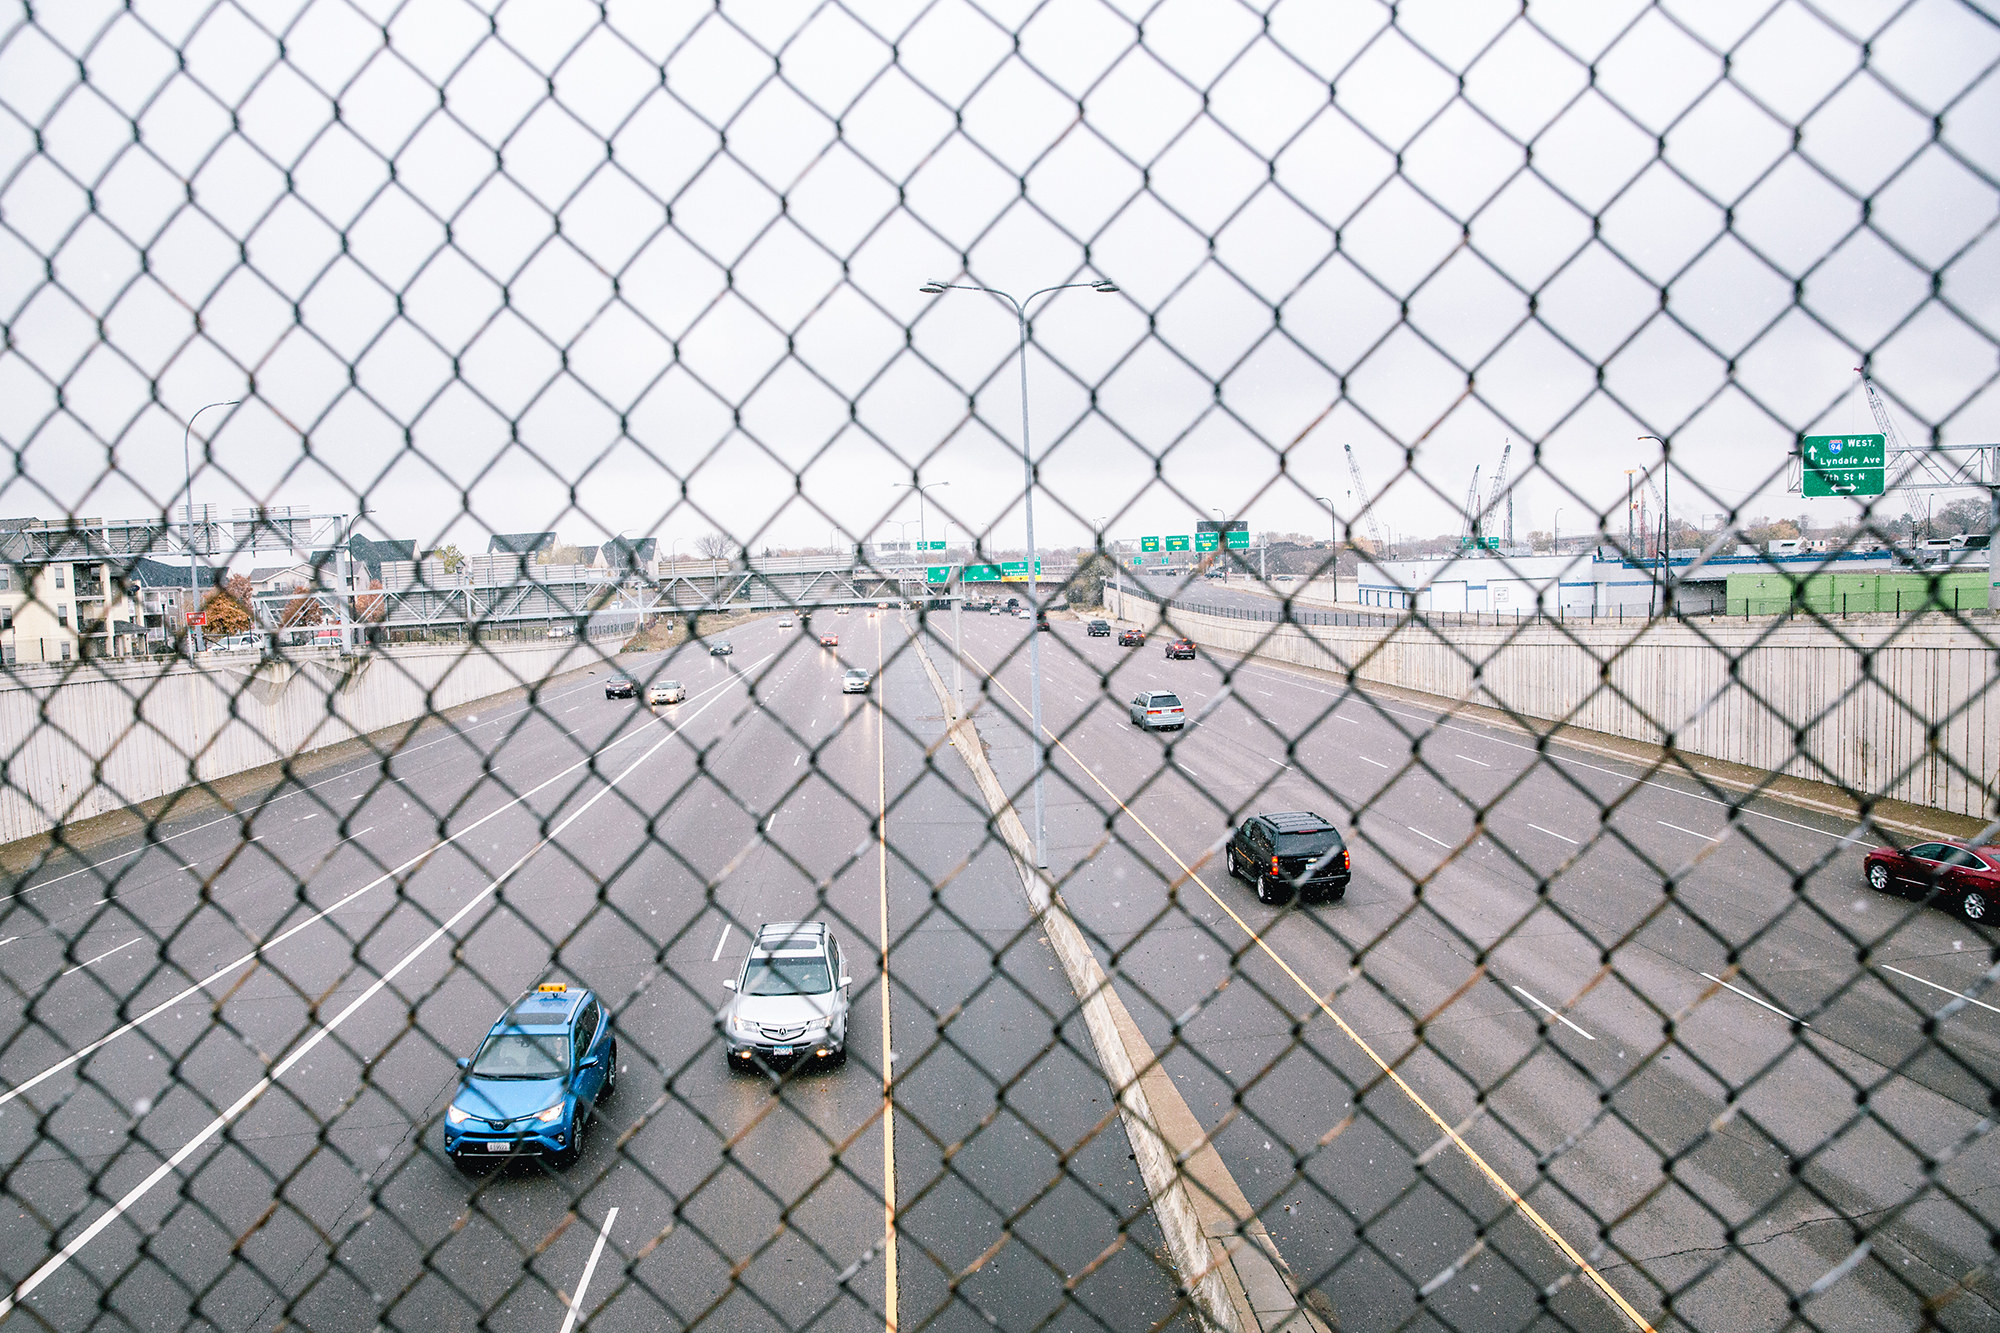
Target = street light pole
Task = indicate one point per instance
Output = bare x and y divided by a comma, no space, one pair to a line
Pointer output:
913,486
1028,504
194,586
1666,522
1333,522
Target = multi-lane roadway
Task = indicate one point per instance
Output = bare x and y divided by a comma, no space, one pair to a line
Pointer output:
232,1044
1634,1001
1583,1047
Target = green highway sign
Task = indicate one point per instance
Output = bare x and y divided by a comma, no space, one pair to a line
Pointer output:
1179,543
1138,559
938,574
1149,544
1016,571
1843,464
1239,539
1207,541
933,546
1163,560
981,574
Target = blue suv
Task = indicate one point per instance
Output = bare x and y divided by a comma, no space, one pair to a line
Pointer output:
535,1082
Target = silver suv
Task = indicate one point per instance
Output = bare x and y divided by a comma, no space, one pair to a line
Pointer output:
791,998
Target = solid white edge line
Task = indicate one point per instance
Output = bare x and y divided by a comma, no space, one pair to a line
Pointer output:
1899,972
1754,1000
1470,760
1552,1013
1377,762
101,957
583,1283
1421,834
1553,834
720,940
305,1048
11,1093
1690,832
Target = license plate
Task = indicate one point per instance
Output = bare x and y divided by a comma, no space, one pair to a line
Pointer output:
498,1147
781,1050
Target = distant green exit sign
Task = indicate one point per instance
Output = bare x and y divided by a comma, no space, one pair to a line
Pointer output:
1843,464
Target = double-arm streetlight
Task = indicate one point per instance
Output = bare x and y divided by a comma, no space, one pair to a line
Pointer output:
919,489
1020,308
187,470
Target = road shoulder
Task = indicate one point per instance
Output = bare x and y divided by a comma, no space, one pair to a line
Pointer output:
1229,1265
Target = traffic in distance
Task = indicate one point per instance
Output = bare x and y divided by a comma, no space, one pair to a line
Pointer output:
535,1086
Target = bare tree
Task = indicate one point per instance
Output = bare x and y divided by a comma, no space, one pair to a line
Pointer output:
714,546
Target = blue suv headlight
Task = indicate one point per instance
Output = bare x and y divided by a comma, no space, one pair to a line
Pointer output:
553,1114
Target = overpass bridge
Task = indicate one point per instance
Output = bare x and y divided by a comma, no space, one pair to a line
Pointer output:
507,587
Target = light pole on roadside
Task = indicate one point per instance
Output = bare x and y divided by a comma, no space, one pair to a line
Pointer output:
1020,308
1333,521
1666,522
194,585
919,489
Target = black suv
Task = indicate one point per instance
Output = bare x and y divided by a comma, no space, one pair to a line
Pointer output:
1099,629
1295,850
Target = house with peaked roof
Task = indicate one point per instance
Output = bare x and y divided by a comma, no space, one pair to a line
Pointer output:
519,543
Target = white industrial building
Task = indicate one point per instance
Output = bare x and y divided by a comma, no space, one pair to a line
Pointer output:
1603,582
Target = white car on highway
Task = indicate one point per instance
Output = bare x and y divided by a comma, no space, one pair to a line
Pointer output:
666,692
856,681
1158,710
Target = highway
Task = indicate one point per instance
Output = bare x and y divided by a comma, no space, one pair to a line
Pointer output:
1571,962
271,1124
232,1045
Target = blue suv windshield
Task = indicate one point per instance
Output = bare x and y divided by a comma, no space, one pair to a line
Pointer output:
523,1055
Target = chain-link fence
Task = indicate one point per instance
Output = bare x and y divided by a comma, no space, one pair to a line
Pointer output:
513,832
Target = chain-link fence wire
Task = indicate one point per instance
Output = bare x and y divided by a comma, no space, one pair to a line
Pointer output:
651,272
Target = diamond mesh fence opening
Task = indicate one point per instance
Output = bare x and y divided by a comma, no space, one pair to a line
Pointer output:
930,666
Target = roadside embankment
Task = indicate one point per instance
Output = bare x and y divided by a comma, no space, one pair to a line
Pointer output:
92,737
1901,712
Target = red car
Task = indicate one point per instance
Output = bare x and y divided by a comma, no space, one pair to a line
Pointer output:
1181,648
829,641
1955,871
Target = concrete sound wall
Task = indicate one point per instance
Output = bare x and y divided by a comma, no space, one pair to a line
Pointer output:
1907,712
88,738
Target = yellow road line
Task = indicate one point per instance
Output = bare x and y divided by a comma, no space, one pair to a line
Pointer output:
1493,1177
888,1075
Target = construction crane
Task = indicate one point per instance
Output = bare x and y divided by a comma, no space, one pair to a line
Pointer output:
1468,534
1892,441
1500,492
1367,503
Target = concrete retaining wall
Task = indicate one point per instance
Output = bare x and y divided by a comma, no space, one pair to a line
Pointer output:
1910,713
91,738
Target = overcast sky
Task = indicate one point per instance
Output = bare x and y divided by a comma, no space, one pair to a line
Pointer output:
541,264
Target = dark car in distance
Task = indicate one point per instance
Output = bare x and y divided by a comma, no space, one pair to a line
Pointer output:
1131,638
1290,852
1181,650
621,687
1098,629
1951,873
